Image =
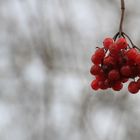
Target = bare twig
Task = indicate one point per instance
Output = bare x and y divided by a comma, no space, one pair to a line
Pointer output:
122,17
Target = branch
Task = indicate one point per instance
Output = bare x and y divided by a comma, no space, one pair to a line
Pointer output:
122,17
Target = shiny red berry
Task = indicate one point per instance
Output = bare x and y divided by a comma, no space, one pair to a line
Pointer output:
121,43
107,42
100,53
108,83
100,77
109,60
114,52
114,75
94,85
96,60
133,88
95,69
102,85
125,71
117,86
132,53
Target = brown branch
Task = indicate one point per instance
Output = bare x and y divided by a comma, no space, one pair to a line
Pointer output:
122,17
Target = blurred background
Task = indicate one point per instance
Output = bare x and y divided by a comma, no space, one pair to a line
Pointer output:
45,51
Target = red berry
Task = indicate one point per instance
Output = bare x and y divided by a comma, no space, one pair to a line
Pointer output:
100,53
132,53
117,86
125,71
108,83
102,85
107,42
95,69
96,60
121,43
100,77
132,87
95,85
109,60
114,75
113,51
138,59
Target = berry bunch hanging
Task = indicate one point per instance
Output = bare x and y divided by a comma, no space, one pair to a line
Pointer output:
116,63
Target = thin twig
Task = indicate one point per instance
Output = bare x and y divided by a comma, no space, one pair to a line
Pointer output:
129,39
122,17
115,36
133,45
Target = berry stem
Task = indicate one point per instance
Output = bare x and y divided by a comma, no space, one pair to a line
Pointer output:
129,39
115,36
134,46
122,17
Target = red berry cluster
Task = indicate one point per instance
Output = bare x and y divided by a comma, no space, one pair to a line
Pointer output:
114,64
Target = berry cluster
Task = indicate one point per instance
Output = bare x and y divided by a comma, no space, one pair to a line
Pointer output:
114,64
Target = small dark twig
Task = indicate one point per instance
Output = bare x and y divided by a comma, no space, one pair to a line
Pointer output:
134,46
115,36
122,17
128,39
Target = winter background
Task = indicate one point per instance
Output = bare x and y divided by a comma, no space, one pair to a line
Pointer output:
45,51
